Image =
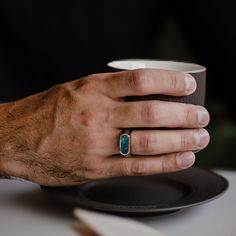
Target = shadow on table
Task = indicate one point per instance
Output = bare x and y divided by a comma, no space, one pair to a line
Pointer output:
37,200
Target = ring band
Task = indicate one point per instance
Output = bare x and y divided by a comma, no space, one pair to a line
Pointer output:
125,141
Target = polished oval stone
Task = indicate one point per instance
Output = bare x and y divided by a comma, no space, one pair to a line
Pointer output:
124,144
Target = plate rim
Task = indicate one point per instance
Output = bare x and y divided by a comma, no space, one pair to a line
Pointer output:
113,208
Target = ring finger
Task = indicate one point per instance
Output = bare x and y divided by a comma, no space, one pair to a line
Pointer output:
154,142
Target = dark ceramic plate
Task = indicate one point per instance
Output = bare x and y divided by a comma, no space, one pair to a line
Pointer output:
156,194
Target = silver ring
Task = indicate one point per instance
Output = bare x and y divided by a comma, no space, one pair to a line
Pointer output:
125,143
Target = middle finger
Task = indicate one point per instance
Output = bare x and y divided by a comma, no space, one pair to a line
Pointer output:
158,114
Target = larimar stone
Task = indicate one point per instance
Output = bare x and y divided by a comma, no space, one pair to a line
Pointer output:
124,144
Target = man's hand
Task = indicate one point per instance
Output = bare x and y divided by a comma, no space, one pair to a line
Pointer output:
70,133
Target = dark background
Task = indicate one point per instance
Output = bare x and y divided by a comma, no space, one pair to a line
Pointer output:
43,43
220,153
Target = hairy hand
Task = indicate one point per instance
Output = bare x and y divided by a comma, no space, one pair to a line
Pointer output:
70,133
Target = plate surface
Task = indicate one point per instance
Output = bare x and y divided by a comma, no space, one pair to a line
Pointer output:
146,194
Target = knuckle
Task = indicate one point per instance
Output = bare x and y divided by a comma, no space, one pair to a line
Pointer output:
177,81
89,83
93,117
137,80
139,167
124,169
86,118
164,165
66,91
190,114
184,142
174,80
146,142
105,116
168,163
150,112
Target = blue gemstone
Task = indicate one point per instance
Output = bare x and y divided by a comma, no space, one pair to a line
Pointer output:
124,144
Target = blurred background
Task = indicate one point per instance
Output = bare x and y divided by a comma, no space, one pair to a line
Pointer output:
43,43
174,44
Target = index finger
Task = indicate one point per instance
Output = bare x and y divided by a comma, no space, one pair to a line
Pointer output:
143,82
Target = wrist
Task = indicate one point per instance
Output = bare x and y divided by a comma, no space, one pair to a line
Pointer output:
23,126
3,122
13,123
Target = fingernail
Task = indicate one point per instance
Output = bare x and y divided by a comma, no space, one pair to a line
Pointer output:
185,160
202,138
202,116
190,83
196,151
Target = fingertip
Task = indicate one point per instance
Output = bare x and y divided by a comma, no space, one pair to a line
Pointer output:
185,160
203,116
190,84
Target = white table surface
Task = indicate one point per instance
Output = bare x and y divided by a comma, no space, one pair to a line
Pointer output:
26,210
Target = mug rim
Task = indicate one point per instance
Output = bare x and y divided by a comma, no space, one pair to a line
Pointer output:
131,64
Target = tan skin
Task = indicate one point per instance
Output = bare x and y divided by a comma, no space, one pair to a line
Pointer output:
69,134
